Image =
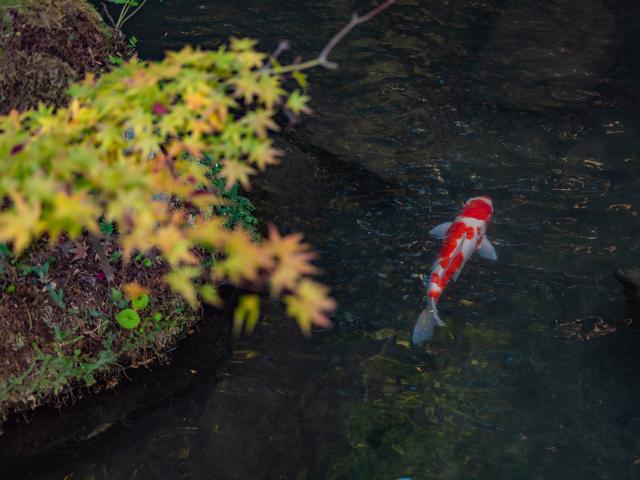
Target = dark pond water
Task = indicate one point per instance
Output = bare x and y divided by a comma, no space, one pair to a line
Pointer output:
532,103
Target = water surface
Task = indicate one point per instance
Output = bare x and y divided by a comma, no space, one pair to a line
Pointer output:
434,102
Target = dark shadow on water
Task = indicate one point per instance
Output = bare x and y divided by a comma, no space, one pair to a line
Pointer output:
535,105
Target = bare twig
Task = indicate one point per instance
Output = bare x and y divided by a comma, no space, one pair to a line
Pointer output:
282,46
102,256
355,21
106,12
323,58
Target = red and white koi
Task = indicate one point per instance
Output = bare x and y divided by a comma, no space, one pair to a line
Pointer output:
462,238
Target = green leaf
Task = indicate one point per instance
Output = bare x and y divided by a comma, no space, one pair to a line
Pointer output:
301,78
141,302
116,295
128,318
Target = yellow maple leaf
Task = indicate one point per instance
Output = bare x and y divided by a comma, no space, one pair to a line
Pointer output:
269,90
263,154
175,246
181,281
246,314
260,121
244,259
197,99
71,213
242,44
234,171
309,305
209,233
246,86
293,260
21,223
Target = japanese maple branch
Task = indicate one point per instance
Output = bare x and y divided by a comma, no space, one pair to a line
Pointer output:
323,58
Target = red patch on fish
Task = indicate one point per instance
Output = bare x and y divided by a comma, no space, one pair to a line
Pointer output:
478,209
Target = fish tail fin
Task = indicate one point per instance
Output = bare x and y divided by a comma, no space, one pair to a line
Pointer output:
423,330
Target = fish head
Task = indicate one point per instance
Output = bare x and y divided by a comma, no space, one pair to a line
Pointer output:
479,207
482,198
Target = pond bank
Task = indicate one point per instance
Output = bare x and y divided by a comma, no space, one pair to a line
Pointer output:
59,337
44,46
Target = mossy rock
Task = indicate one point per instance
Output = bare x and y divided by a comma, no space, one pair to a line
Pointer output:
44,46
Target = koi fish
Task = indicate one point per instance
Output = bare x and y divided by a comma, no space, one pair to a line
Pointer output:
462,238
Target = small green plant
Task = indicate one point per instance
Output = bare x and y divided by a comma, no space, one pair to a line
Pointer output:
57,295
5,259
141,302
115,256
128,8
115,60
118,299
106,228
128,318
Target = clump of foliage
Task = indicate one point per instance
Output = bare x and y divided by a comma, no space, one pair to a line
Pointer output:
128,8
188,119
44,46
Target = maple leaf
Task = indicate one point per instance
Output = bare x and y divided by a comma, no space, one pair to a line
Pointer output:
301,78
242,44
174,245
186,56
234,171
260,121
294,260
246,314
269,90
79,251
297,103
70,213
243,259
309,305
174,121
251,58
246,87
209,233
21,223
262,154
197,99
181,281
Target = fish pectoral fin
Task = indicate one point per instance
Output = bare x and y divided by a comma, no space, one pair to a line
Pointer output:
440,231
456,275
487,250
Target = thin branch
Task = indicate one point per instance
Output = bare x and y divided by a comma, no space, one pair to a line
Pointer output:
323,58
102,256
282,46
106,12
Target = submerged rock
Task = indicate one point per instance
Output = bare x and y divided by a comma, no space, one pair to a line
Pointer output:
630,279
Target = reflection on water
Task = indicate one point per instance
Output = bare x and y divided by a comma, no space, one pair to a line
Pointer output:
535,106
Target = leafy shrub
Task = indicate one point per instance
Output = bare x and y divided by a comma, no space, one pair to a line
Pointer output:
141,147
